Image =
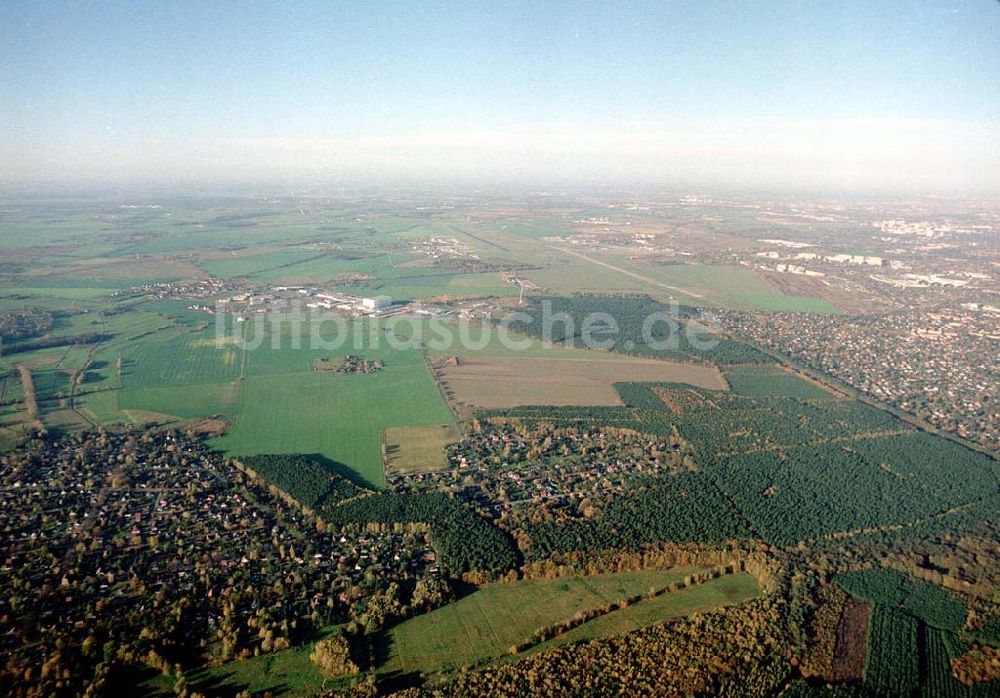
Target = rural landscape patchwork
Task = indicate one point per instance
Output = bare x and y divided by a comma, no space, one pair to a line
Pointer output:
437,349
454,444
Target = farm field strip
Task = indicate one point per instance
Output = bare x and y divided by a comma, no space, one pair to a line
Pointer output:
724,591
498,382
461,633
417,448
467,632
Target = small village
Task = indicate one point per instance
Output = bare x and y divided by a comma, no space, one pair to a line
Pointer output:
227,568
501,467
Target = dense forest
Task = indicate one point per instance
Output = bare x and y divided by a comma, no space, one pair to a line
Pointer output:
927,602
307,481
788,469
679,508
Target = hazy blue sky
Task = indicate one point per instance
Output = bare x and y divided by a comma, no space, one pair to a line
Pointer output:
902,94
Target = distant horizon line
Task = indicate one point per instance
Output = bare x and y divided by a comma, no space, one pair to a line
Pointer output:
249,186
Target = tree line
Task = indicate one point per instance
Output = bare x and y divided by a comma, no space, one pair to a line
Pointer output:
308,482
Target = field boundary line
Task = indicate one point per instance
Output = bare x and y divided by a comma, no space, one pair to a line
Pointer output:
457,421
489,624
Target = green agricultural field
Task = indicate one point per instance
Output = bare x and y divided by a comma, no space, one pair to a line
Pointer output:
48,357
181,357
325,268
59,419
477,282
17,232
249,263
64,293
133,325
149,343
105,272
523,228
698,284
436,287
10,387
485,340
166,369
486,623
206,231
75,324
575,275
50,383
101,407
286,407
74,357
187,401
734,287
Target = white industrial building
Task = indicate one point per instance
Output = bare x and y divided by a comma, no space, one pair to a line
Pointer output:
376,303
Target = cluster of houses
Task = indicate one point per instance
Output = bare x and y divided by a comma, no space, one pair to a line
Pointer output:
437,247
203,289
940,365
113,521
502,467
